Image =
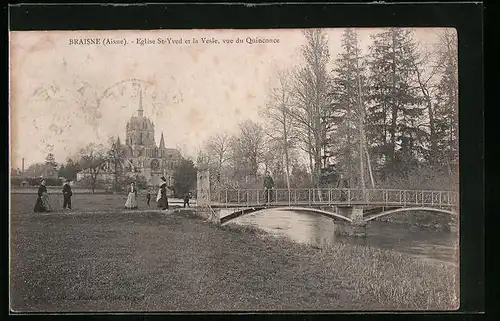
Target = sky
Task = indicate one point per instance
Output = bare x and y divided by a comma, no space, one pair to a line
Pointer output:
64,96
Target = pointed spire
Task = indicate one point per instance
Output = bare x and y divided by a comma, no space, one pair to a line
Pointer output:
162,142
118,143
140,104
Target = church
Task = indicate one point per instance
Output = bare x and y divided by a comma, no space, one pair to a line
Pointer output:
142,155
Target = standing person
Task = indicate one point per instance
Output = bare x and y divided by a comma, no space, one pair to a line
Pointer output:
148,197
42,201
187,197
268,186
131,202
67,193
161,199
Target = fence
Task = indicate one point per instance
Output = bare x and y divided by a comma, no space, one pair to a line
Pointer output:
337,197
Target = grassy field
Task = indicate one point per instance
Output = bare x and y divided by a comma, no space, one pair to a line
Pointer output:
99,257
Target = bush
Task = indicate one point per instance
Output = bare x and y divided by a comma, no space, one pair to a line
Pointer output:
15,181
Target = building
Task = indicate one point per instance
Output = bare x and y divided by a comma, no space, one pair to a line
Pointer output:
142,155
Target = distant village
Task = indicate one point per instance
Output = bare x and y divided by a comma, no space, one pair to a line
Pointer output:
114,165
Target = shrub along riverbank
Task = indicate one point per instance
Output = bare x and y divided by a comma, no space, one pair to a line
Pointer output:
152,261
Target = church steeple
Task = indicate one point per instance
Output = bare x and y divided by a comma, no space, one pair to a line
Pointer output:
162,142
118,143
140,111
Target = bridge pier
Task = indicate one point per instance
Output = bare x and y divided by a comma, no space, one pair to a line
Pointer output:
358,225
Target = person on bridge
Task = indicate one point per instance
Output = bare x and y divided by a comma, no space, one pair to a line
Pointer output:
67,193
268,186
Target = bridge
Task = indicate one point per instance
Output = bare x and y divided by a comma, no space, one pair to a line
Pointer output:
350,205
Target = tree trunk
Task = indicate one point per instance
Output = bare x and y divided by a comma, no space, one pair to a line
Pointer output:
285,145
361,127
368,162
311,165
394,110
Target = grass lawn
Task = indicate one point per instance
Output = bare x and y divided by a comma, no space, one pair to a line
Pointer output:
99,257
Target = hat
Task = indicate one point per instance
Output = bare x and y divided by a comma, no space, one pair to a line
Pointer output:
163,178
67,181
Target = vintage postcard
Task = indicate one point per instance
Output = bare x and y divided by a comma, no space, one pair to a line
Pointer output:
234,170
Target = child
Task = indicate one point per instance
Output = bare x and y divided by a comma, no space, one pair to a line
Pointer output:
187,197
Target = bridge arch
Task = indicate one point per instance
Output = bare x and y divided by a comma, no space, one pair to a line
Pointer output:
411,209
249,210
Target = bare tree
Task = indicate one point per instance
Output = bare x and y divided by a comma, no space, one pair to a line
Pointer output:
425,70
279,121
218,147
92,159
249,147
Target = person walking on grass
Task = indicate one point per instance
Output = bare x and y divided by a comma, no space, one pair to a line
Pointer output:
148,197
187,197
131,202
67,193
161,198
42,201
268,186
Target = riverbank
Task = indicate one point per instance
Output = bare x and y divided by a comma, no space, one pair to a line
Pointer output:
115,260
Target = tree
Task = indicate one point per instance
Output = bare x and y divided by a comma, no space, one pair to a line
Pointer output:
41,170
394,100
184,178
348,94
312,107
62,171
218,148
71,169
92,159
446,108
249,147
116,158
50,160
279,121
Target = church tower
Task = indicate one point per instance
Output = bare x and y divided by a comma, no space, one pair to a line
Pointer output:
161,149
140,130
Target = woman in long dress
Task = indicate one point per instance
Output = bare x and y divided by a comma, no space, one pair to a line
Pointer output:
163,201
42,201
131,202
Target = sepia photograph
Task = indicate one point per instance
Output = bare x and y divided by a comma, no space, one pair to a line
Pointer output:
234,170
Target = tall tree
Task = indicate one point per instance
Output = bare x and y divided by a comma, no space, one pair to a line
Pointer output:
279,121
446,112
348,93
312,108
394,99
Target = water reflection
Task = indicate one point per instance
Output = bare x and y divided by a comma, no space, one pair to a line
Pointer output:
318,231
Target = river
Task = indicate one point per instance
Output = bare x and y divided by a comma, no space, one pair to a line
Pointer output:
317,230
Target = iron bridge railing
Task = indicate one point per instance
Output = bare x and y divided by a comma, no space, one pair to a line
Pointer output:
334,197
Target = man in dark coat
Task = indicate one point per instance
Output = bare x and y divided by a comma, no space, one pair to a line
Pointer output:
268,186
67,193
